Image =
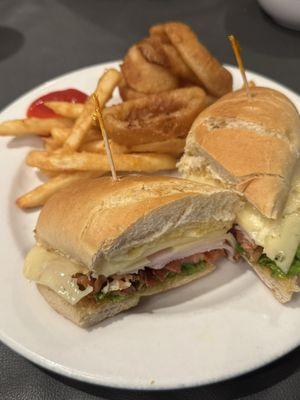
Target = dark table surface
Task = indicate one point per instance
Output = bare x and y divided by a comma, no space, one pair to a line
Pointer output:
40,39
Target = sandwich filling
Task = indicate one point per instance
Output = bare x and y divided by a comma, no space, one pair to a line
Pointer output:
150,266
258,255
273,244
270,243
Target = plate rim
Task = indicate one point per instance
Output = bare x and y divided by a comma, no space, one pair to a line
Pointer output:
68,372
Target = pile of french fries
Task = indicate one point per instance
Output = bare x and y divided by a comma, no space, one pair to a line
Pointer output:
74,149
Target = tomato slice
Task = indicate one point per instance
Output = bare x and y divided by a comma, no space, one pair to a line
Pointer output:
38,109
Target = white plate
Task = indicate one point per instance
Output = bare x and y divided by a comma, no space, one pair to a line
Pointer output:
221,326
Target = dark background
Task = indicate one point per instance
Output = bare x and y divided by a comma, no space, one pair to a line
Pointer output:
40,39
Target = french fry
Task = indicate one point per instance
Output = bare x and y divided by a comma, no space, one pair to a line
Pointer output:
174,147
106,85
61,134
49,174
51,144
38,196
97,146
33,126
65,109
150,162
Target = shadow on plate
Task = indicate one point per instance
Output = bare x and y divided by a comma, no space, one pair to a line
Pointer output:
295,302
174,300
247,384
33,142
263,34
224,274
11,41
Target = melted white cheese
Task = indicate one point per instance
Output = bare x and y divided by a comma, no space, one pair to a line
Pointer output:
279,238
55,272
136,258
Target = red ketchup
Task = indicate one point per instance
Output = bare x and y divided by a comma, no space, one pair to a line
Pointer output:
39,110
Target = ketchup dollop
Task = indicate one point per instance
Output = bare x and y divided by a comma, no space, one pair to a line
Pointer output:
39,110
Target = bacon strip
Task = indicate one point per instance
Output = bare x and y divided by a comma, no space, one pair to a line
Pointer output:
148,277
252,250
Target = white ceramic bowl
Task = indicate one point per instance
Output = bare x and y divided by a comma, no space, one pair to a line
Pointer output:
285,12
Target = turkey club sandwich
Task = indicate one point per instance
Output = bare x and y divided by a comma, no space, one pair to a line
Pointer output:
103,244
252,145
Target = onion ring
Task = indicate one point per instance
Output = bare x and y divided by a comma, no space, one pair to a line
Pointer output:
178,66
153,51
166,55
158,30
213,76
155,117
146,77
127,93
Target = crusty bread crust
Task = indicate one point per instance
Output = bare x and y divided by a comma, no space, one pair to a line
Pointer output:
268,193
282,288
269,113
247,144
243,153
101,217
87,312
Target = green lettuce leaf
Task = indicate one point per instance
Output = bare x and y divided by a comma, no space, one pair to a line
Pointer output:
115,297
294,270
295,267
189,269
265,261
239,249
186,269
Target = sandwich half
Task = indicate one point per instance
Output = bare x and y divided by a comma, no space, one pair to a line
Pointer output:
104,244
252,146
